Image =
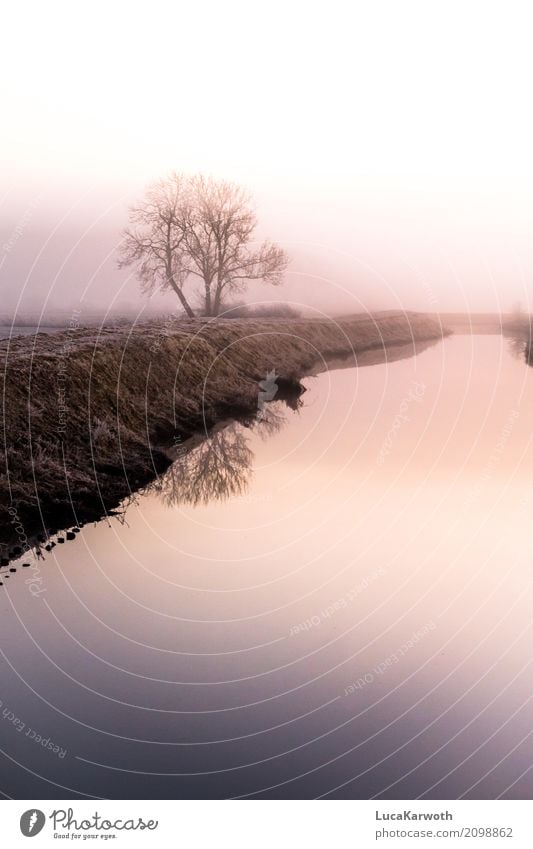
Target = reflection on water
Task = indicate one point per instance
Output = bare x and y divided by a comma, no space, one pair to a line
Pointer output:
520,345
220,466
215,470
332,602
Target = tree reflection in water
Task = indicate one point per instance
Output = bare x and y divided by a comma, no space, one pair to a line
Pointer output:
520,344
218,468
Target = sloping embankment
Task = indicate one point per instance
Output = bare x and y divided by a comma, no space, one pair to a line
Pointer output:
87,415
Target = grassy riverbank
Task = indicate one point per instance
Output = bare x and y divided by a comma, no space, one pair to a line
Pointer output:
89,416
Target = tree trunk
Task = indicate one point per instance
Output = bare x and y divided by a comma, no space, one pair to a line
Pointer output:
208,300
181,296
216,306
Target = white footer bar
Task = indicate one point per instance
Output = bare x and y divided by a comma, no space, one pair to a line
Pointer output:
268,824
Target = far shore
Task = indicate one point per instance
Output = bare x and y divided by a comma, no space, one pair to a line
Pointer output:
91,415
481,323
58,322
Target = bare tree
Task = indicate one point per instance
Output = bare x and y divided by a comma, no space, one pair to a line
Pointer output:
219,237
155,240
199,227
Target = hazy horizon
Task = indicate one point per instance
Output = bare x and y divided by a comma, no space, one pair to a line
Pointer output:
396,172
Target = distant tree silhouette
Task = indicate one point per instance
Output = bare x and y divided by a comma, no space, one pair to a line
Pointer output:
198,227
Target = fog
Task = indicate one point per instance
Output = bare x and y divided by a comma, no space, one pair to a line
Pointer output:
394,169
